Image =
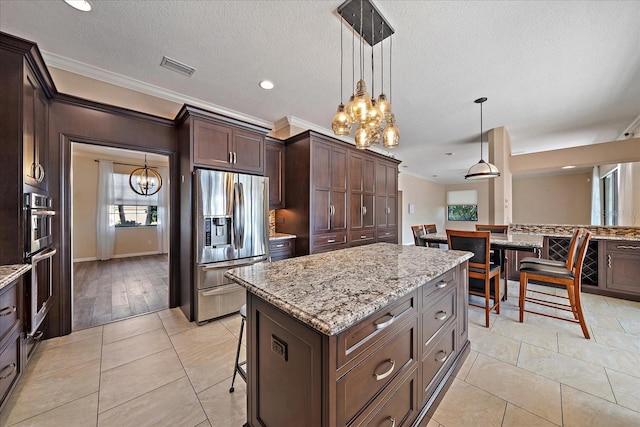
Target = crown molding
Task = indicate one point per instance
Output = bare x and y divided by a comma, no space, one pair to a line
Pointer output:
110,77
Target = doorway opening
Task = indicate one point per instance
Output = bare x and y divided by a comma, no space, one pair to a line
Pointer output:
120,239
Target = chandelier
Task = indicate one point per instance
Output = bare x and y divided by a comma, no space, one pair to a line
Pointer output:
482,169
145,181
372,118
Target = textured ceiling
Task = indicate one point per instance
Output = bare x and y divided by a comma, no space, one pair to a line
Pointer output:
556,74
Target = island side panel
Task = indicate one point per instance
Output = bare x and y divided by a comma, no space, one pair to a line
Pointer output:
285,369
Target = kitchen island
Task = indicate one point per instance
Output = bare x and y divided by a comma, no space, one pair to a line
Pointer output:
365,335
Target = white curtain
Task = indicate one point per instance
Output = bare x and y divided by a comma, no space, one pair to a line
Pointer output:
596,208
625,193
105,224
163,213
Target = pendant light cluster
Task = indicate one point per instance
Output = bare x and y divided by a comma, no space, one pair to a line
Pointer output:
482,169
372,119
145,181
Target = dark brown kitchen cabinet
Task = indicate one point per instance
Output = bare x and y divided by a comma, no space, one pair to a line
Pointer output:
386,201
274,170
329,182
622,267
220,146
361,192
281,248
11,342
34,131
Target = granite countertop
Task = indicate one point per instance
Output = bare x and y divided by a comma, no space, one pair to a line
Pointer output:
9,273
332,291
281,236
568,235
515,240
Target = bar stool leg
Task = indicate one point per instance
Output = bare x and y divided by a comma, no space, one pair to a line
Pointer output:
236,366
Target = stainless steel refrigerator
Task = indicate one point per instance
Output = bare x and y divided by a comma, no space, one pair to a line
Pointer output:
232,230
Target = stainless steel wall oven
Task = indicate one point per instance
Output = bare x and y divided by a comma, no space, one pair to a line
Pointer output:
39,253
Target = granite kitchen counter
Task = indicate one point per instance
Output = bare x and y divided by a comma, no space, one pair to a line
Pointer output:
332,291
600,232
281,236
9,273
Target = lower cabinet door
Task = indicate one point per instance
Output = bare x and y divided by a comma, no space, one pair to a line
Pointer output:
10,365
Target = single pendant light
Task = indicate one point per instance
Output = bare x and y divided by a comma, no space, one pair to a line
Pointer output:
145,181
482,169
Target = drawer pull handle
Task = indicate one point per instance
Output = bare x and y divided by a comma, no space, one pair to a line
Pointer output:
386,323
363,237
628,247
384,375
7,311
441,315
11,368
331,241
392,420
441,356
280,245
441,284
609,260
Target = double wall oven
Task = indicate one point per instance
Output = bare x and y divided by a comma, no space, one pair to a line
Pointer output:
39,252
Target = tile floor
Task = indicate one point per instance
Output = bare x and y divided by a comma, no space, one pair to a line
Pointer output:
160,370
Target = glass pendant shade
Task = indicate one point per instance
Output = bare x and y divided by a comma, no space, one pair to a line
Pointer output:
341,123
349,109
482,170
391,133
362,138
147,181
375,135
374,117
361,102
384,106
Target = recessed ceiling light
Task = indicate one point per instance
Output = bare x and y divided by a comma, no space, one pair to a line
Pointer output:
266,84
568,167
448,154
82,5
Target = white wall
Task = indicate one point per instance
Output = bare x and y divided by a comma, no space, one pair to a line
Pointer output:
428,198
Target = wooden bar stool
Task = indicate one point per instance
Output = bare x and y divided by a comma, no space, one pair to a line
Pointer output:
238,367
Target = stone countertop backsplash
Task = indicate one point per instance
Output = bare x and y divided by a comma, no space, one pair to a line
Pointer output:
9,273
604,232
332,291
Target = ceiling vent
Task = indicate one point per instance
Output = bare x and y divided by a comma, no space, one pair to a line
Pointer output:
178,67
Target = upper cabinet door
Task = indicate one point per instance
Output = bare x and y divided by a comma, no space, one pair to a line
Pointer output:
34,132
212,145
369,176
248,151
274,170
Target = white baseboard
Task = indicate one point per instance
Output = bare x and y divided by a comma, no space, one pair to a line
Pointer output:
91,258
118,256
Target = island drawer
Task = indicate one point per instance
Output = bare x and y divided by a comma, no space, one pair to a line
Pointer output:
398,407
9,364
438,314
438,286
628,246
9,313
366,380
373,328
438,355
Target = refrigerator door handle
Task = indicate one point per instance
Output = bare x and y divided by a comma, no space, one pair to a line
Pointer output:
236,216
242,217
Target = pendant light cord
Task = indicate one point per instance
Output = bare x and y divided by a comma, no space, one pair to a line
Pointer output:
361,46
373,41
390,67
341,61
481,158
382,59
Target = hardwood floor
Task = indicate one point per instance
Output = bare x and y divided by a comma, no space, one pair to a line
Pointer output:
106,291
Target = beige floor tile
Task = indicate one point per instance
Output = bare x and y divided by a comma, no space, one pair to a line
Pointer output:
603,322
626,389
525,389
174,404
130,327
466,366
600,354
526,332
232,323
617,340
205,423
206,335
207,365
174,321
225,409
64,356
494,345
464,404
81,412
617,302
630,326
121,384
584,376
555,325
581,409
518,417
166,312
71,338
133,348
35,396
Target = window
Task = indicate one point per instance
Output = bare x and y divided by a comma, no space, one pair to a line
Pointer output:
131,209
462,205
610,198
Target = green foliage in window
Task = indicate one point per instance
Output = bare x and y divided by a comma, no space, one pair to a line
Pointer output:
462,212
